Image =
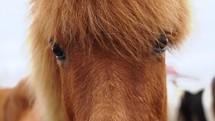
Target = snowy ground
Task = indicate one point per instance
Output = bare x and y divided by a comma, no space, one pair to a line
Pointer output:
195,59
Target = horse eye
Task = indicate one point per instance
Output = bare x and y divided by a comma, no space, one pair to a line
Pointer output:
161,44
58,52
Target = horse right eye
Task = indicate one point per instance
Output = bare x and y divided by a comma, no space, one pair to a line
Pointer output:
58,52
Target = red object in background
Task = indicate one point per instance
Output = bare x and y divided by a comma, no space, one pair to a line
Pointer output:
171,70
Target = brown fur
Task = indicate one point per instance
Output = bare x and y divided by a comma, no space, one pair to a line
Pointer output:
110,72
29,115
18,104
3,96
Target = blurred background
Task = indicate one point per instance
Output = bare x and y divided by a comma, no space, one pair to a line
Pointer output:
191,68
13,48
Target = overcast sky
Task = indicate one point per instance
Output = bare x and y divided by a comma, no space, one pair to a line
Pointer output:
196,58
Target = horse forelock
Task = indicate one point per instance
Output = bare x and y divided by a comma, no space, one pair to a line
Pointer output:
123,27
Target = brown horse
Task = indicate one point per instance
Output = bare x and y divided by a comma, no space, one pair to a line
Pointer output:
103,60
16,104
3,96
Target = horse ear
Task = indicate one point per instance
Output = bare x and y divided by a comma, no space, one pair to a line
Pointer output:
17,102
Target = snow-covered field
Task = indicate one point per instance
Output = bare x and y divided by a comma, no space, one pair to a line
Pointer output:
196,58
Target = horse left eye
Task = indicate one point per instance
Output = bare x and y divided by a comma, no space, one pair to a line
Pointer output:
161,45
58,52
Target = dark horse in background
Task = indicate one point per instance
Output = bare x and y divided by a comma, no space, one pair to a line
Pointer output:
199,106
